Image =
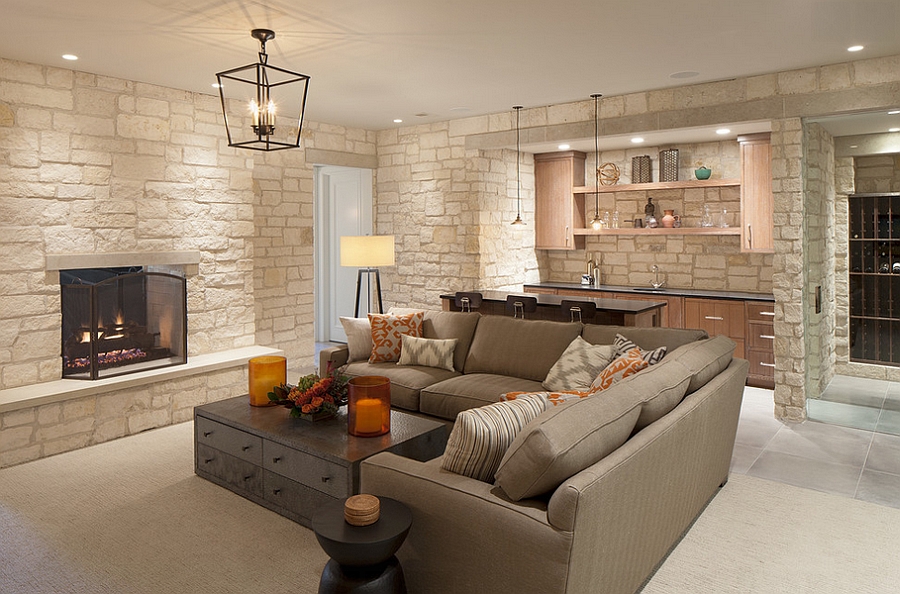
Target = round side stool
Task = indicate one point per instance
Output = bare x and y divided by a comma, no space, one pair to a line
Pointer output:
362,557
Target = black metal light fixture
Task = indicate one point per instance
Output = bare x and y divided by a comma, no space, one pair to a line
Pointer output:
253,95
596,222
518,220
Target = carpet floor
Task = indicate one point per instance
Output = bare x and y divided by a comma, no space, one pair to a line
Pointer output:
129,516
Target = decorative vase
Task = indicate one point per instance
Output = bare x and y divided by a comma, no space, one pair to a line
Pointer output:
369,406
264,374
668,220
703,172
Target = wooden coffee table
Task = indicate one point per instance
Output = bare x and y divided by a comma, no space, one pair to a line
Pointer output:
292,466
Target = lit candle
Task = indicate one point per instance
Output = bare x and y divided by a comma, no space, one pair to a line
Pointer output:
254,110
368,415
270,120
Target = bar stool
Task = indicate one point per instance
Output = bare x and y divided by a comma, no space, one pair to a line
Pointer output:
579,311
467,301
519,305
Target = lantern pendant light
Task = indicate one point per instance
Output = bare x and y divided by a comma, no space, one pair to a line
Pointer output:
252,95
596,222
518,220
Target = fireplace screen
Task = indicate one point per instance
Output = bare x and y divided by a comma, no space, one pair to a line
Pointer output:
121,320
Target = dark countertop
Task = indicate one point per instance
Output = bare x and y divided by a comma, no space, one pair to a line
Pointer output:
611,305
709,294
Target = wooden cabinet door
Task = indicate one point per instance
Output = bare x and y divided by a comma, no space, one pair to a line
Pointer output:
717,316
556,213
757,203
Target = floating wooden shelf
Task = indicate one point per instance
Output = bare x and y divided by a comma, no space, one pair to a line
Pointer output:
662,231
649,186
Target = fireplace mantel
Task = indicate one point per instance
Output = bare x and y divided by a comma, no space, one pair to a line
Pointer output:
112,260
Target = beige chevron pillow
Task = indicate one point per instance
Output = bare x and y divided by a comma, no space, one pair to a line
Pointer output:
579,364
427,352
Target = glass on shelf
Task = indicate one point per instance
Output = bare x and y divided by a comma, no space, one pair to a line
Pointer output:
706,217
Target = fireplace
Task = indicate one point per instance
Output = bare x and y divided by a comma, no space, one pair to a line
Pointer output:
121,320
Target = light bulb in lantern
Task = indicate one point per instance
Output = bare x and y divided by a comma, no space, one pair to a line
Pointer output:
254,111
270,108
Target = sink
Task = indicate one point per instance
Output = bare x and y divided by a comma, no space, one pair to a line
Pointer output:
650,289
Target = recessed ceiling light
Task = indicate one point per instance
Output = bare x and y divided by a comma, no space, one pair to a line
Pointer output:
854,146
855,48
637,140
398,121
684,74
564,147
893,129
723,131
216,86
894,112
69,57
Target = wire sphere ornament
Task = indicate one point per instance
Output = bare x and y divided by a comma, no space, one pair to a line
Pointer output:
608,174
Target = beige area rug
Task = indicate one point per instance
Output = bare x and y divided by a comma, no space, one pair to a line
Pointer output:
129,516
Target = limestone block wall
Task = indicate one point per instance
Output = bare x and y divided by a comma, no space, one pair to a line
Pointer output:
878,174
844,186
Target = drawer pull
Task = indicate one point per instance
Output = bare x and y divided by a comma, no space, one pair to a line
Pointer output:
276,491
245,448
325,479
769,336
207,433
767,364
247,478
208,460
715,318
276,459
767,313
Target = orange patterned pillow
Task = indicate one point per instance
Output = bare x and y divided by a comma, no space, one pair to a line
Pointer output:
386,333
552,398
628,364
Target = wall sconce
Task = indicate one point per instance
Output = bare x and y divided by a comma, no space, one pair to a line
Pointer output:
252,95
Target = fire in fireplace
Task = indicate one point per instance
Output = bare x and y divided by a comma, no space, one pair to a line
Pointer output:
121,320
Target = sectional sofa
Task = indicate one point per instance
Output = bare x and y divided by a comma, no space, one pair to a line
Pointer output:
590,496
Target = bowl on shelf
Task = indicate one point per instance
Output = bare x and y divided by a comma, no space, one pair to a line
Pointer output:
703,172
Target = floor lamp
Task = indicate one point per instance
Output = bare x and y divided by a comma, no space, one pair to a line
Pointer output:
367,252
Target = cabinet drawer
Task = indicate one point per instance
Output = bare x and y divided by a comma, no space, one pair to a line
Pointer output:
229,440
292,496
760,311
239,474
762,336
762,363
309,470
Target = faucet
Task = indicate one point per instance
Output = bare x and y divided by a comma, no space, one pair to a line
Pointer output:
656,284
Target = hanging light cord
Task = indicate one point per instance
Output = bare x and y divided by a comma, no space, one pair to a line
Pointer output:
596,97
518,220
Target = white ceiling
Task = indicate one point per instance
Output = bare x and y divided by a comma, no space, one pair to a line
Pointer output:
426,60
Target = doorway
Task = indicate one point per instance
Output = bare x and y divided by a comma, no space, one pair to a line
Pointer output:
343,206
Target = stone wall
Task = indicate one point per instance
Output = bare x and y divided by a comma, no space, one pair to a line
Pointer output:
878,174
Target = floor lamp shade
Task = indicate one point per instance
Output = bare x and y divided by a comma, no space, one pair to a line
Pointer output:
367,252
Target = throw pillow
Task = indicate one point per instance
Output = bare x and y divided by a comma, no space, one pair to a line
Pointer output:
480,436
628,364
427,352
359,338
579,364
623,345
386,333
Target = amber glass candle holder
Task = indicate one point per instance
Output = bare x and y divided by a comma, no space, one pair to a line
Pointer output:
265,373
369,406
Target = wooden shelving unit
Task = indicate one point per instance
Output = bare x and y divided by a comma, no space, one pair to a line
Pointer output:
662,231
651,186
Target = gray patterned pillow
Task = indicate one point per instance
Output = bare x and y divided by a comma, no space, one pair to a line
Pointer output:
481,435
427,352
578,365
623,345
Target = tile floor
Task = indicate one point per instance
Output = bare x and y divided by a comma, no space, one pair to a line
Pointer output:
850,446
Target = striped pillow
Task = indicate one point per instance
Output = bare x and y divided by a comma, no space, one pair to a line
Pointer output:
623,345
481,435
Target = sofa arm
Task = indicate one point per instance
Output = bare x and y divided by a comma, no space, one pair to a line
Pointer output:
336,355
466,535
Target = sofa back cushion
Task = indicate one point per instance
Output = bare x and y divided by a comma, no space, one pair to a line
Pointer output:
448,324
519,348
646,338
705,359
566,440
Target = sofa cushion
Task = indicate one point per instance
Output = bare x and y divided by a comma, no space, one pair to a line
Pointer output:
481,435
427,352
386,333
647,338
659,389
705,359
406,381
448,398
519,348
448,324
579,364
565,440
359,338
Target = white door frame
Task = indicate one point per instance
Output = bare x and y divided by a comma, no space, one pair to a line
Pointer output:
354,217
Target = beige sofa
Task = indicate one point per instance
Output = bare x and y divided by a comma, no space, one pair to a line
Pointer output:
617,513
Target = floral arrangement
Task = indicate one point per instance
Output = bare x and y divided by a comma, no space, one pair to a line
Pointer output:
313,396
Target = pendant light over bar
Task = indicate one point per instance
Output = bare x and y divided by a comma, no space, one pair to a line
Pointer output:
256,96
596,222
518,220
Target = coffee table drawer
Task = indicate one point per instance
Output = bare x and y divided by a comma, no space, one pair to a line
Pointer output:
309,470
293,496
229,440
240,475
